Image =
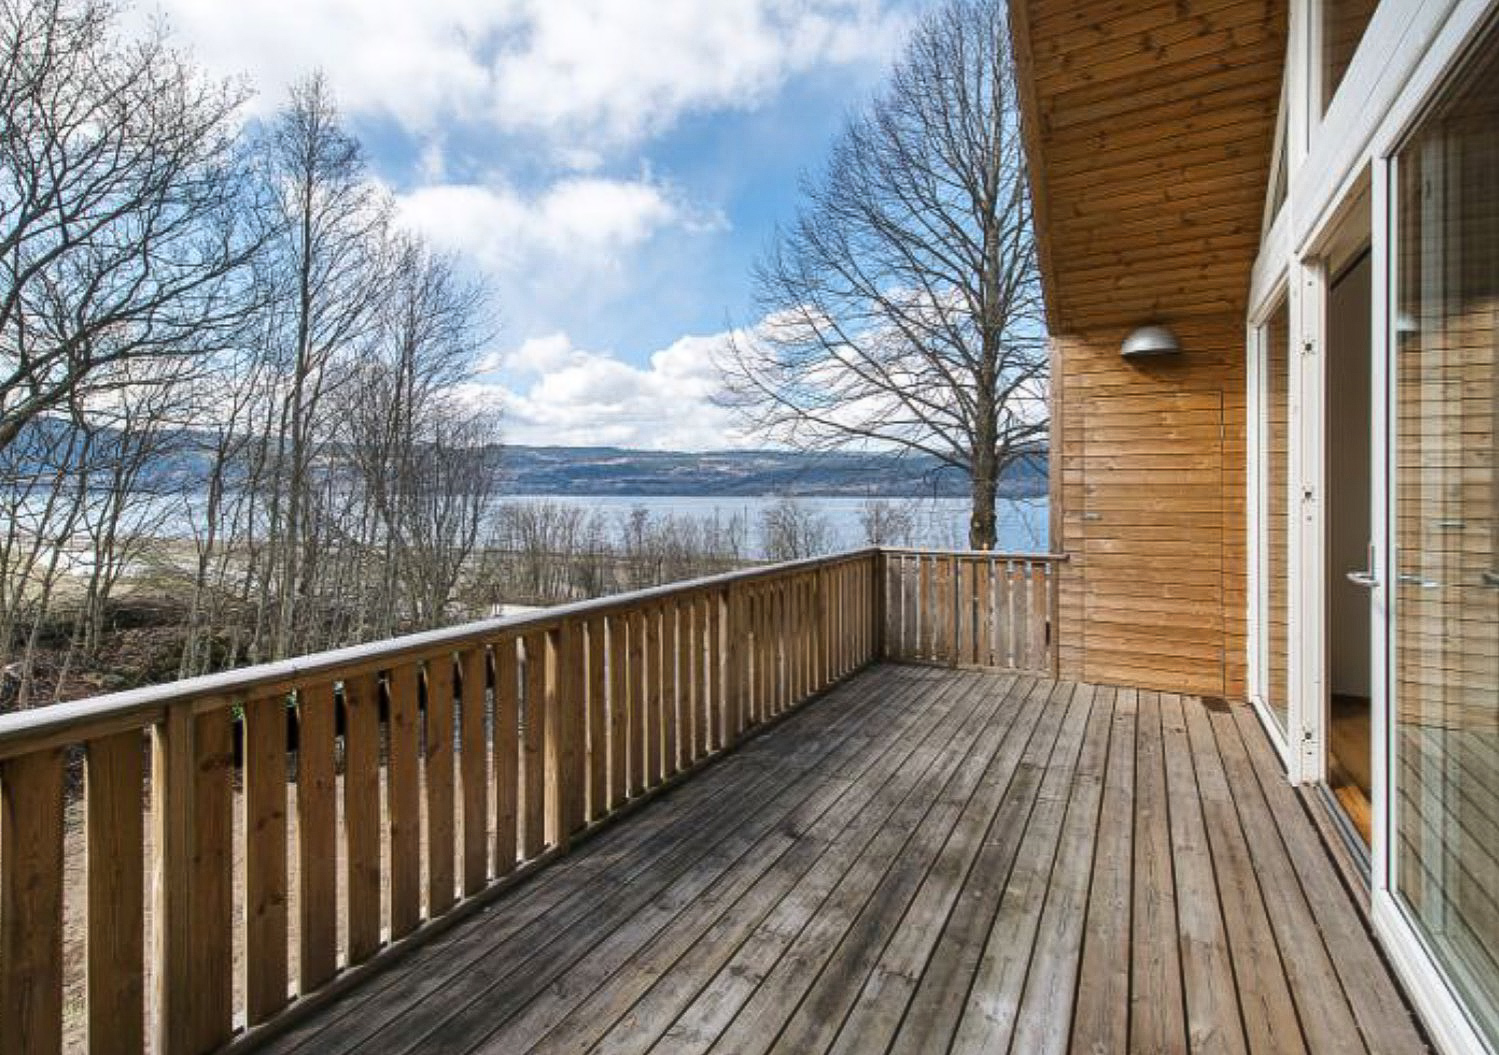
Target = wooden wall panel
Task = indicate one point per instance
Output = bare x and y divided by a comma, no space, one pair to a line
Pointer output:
1149,126
1150,486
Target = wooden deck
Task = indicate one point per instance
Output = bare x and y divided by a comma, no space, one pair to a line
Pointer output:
924,860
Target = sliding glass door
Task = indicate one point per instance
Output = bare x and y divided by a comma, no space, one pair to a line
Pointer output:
1445,677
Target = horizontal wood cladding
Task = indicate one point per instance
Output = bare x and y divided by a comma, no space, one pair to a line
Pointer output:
1150,493
1149,127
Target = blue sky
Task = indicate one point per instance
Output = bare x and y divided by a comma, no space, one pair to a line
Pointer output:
611,167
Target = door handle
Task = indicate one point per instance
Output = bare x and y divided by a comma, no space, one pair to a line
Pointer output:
1408,579
1365,577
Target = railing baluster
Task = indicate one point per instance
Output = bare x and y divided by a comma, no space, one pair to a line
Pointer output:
560,664
633,627
598,744
713,695
505,737
191,759
361,698
533,739
438,770
617,642
403,792
736,683
317,830
473,761
655,731
925,646
116,896
265,858
31,901
691,663
672,718
1037,609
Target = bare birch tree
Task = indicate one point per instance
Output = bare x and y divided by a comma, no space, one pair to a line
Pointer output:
902,308
334,223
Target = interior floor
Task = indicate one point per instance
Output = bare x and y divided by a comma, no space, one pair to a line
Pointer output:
1348,762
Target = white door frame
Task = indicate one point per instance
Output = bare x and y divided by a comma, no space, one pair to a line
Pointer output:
1306,619
1258,380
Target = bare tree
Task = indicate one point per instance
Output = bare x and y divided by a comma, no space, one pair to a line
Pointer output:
334,223
124,232
887,522
792,530
427,465
902,308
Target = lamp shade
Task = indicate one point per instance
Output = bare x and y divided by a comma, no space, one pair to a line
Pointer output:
1148,341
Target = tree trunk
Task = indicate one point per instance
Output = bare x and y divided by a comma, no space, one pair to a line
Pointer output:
981,528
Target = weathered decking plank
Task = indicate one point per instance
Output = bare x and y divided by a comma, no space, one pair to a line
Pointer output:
665,974
924,860
747,850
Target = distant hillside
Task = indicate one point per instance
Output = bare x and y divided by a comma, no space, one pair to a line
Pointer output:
615,471
182,464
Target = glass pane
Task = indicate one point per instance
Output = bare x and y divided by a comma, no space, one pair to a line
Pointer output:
1276,459
1343,25
1280,166
1446,677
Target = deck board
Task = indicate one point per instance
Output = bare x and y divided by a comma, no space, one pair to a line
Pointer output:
923,860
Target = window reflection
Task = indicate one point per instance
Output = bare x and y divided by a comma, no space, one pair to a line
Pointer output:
1446,678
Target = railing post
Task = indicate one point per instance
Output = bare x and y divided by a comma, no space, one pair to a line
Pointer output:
881,588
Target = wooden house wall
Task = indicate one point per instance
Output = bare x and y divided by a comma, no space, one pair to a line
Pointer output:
1149,127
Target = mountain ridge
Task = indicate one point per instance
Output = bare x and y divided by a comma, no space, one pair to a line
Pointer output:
604,471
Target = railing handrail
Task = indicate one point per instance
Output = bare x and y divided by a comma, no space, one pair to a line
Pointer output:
1017,555
232,685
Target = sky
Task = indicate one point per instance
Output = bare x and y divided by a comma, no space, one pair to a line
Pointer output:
610,168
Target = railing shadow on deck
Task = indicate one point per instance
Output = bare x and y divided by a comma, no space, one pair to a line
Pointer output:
431,772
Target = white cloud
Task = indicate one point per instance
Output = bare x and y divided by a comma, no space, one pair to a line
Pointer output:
587,221
620,70
569,396
566,251
587,72
414,61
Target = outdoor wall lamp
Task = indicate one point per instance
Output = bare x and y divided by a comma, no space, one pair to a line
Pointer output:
1150,341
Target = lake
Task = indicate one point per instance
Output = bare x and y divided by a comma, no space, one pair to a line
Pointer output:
940,523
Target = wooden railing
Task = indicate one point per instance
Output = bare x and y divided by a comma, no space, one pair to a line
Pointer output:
301,822
971,609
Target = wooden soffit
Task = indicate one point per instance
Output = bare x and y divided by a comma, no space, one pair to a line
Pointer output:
1149,127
